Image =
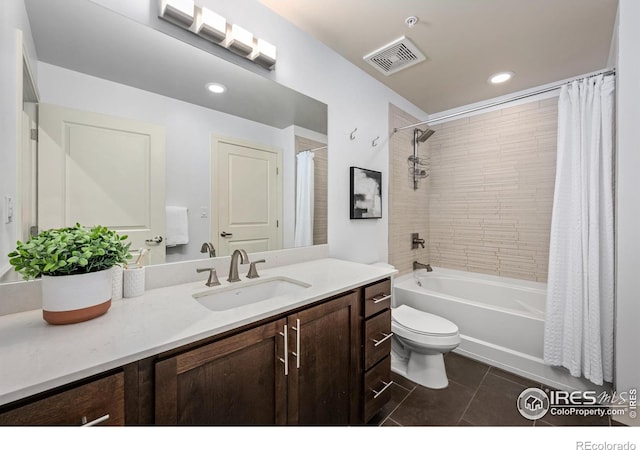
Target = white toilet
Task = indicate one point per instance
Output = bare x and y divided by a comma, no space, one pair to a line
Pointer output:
419,342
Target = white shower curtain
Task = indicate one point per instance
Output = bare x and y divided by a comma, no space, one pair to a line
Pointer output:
303,235
579,314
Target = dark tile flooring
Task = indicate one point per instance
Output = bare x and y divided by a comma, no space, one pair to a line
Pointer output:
477,395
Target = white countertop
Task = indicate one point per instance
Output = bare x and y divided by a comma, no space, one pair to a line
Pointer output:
36,356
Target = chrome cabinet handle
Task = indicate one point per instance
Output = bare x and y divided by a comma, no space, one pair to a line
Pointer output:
386,336
297,352
154,241
381,298
94,422
225,234
377,394
285,360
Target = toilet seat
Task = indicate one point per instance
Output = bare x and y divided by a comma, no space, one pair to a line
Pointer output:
422,323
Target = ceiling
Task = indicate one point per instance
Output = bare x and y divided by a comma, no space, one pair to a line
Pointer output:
465,41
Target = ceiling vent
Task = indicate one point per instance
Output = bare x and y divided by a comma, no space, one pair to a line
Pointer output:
397,55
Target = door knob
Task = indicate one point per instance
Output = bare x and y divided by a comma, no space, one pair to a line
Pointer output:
154,241
225,234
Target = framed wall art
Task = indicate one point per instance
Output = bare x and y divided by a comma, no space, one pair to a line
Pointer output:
366,194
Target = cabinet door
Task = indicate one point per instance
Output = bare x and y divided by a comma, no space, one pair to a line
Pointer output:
323,363
99,402
238,380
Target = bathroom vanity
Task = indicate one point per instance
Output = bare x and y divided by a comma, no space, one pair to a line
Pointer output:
319,356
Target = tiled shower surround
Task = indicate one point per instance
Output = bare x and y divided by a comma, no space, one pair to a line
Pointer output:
490,191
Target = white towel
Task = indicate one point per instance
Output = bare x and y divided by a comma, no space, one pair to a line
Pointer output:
177,225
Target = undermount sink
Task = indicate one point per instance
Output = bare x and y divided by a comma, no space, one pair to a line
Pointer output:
248,292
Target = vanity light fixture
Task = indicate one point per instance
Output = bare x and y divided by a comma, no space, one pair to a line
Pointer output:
501,77
180,11
211,26
216,88
239,40
264,54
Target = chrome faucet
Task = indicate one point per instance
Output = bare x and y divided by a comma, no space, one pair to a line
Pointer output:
208,247
417,265
233,268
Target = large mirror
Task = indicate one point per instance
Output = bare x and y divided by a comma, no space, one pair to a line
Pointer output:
130,137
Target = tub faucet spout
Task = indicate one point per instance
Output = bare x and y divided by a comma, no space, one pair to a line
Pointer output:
418,265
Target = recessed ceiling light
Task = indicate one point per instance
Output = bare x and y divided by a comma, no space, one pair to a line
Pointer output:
216,88
501,77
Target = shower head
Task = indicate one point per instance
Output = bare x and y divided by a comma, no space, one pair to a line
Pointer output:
423,135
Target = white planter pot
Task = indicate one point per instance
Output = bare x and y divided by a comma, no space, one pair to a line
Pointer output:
76,298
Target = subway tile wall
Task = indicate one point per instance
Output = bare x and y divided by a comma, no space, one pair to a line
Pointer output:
486,205
408,208
491,191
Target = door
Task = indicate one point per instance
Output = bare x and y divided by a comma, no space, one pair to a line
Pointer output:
27,179
80,154
323,377
238,380
247,192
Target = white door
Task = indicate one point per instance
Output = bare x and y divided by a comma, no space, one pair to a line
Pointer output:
246,196
27,179
95,169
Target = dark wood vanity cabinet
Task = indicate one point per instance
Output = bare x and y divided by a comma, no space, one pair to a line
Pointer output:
323,380
238,380
301,369
324,364
96,402
376,345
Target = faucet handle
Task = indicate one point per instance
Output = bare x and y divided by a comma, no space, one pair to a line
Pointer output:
253,273
213,276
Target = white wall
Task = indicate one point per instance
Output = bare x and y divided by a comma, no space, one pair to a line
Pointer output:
627,362
188,138
354,99
13,17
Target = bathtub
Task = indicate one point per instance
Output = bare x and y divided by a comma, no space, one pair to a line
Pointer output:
501,320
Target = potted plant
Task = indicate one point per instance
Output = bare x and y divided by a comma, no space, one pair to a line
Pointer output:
74,264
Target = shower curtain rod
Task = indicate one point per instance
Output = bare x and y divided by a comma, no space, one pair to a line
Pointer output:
511,99
313,149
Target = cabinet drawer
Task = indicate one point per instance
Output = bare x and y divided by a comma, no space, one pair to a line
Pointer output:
377,338
377,388
377,297
100,401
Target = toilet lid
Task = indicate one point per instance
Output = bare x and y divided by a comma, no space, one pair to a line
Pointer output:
423,323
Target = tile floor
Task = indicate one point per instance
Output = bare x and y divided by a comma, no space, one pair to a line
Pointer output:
477,395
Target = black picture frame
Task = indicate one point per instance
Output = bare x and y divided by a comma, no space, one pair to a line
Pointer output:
365,193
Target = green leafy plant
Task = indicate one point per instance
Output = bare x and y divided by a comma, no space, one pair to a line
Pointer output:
69,251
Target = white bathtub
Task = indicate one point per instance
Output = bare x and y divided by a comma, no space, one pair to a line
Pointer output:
501,320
